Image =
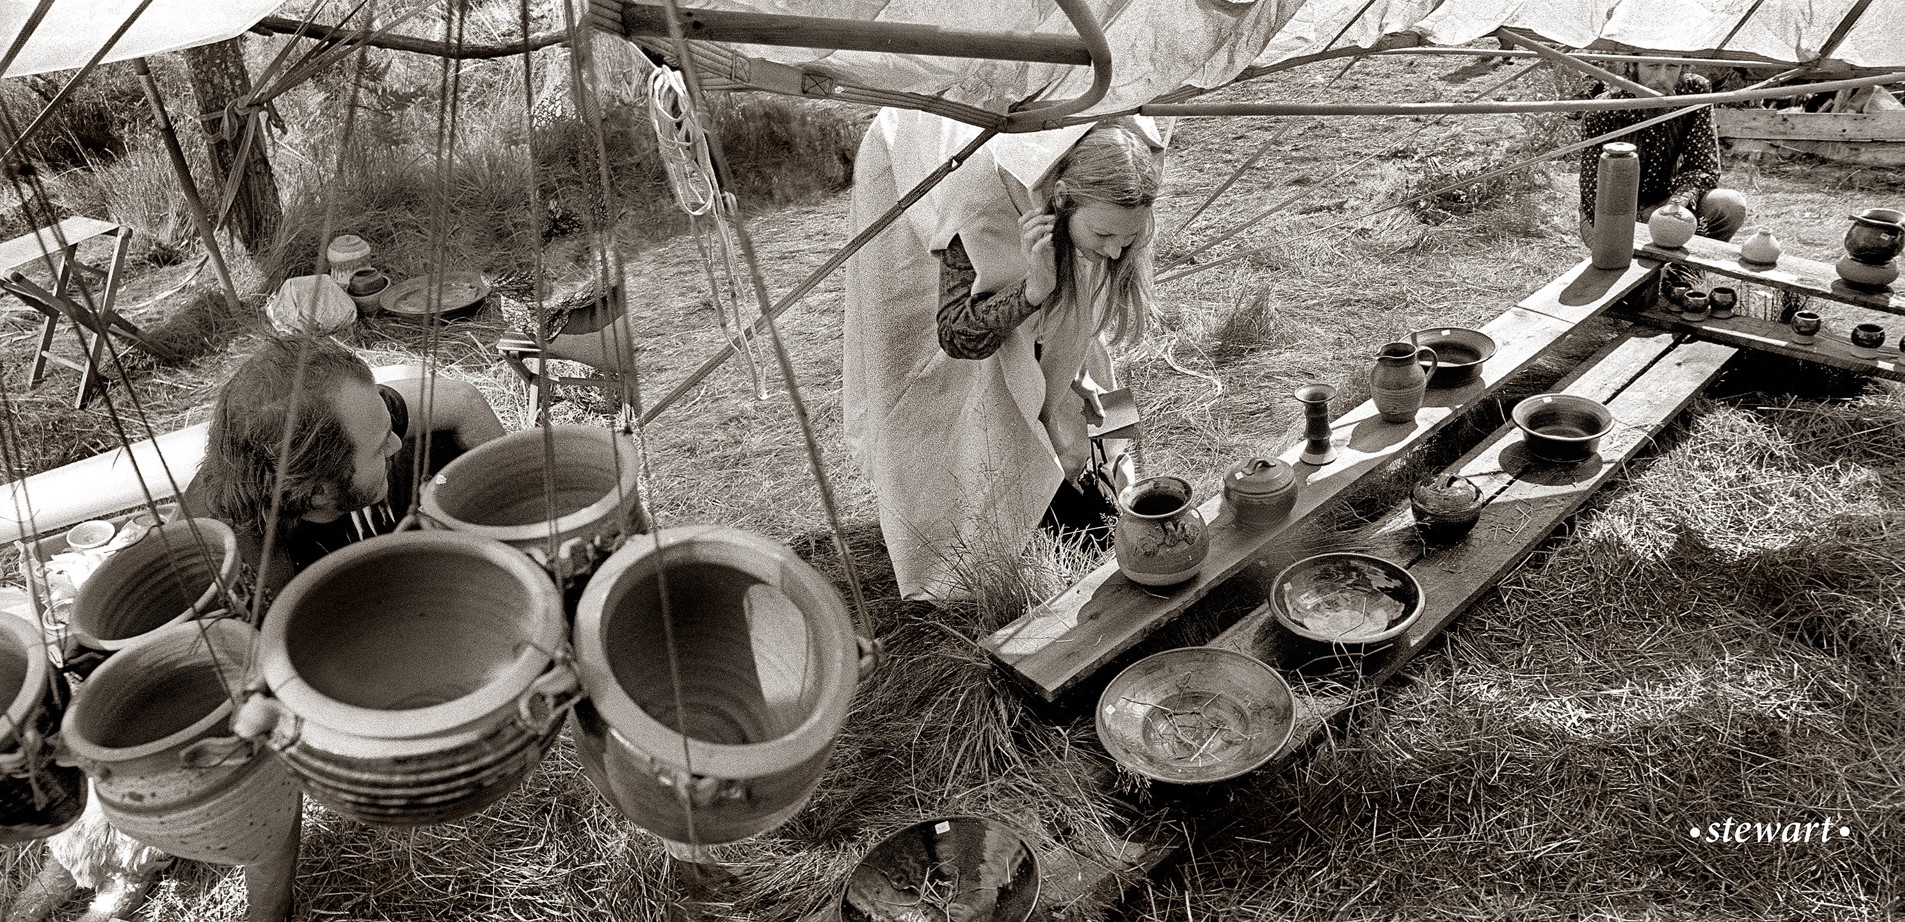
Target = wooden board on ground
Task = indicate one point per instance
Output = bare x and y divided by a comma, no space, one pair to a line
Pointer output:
1795,125
1791,273
1063,641
1644,380
1829,347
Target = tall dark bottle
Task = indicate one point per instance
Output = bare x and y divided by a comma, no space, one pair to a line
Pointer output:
1616,202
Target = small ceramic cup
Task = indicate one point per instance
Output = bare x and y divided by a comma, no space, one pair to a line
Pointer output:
1694,307
1722,299
1866,339
1806,324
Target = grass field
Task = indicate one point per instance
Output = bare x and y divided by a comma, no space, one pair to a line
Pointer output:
1717,637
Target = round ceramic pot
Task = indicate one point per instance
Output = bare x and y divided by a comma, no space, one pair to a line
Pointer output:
1722,299
415,677
1445,514
152,726
719,668
1693,305
1760,247
1672,225
1876,235
37,797
1866,338
1161,539
1806,325
178,571
1866,276
564,494
1260,491
1400,378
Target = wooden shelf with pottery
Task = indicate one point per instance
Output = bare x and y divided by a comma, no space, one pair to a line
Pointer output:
1829,346
1060,643
1791,273
1644,378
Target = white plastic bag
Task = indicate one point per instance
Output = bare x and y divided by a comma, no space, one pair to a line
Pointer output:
311,304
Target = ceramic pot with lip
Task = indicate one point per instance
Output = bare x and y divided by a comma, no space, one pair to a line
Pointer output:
1876,235
1721,299
1866,276
1694,305
1400,378
1672,225
1161,539
1866,339
1446,509
1260,491
37,797
1760,247
1806,325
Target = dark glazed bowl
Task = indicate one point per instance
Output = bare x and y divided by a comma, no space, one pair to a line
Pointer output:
1562,427
1461,353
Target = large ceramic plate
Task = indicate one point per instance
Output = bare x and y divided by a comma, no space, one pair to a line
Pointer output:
462,294
1346,598
1195,715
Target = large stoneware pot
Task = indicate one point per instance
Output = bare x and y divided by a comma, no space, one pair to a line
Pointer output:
413,678
178,571
152,726
717,668
563,494
37,797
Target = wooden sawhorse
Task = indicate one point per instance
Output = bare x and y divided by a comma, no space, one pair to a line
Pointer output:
96,320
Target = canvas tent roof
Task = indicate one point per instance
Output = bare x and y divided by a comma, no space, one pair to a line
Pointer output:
72,31
1159,47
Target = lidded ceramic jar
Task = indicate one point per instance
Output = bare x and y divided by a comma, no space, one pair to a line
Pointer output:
1260,491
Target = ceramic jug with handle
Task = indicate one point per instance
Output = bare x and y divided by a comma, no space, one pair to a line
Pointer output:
1400,378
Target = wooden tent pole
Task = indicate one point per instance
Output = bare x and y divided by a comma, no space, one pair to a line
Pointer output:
1562,59
1420,50
183,169
709,25
1511,107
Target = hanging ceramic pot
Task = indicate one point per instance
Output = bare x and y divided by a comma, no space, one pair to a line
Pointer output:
178,571
414,677
1161,539
718,668
37,797
564,494
1400,378
152,726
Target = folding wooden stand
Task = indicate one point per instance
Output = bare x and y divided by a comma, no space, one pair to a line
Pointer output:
96,320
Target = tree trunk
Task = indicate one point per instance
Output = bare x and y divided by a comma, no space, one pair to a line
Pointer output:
218,77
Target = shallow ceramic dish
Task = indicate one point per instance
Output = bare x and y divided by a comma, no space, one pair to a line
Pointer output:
1459,354
954,867
88,535
1346,598
463,294
1562,427
1195,715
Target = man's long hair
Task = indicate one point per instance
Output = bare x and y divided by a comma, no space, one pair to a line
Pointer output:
1113,163
288,384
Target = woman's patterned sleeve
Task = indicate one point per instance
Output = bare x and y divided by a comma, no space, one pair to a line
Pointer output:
973,326
1699,169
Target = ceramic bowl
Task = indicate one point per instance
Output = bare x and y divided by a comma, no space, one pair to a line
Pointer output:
88,535
963,867
1195,715
1562,427
1459,352
443,296
1346,598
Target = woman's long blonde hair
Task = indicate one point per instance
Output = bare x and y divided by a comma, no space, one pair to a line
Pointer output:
1116,164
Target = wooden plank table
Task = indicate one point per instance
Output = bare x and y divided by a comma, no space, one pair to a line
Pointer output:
1829,347
1644,379
1065,640
1791,273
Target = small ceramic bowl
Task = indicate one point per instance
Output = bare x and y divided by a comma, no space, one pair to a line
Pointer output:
1196,715
1562,427
1346,598
1459,353
88,535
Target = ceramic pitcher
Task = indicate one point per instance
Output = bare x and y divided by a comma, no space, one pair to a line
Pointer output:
1876,235
1400,378
1161,539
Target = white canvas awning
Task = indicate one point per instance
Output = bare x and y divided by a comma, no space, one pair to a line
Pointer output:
72,31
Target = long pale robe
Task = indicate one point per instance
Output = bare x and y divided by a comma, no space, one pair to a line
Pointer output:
964,455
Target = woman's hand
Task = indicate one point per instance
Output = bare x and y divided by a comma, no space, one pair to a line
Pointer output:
1035,240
